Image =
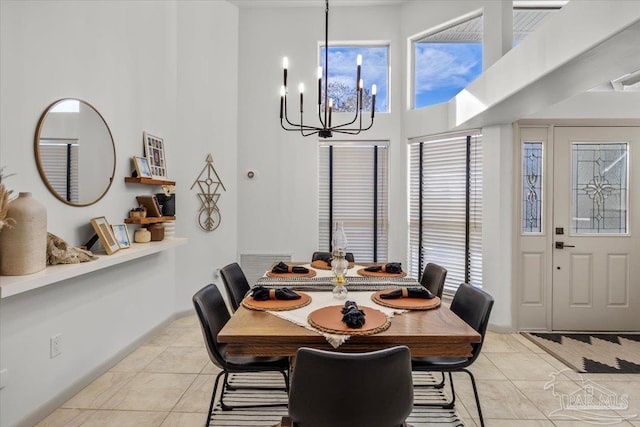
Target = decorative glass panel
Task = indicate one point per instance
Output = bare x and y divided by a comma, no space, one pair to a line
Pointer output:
599,188
532,187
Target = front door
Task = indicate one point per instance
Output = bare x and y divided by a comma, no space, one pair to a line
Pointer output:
596,224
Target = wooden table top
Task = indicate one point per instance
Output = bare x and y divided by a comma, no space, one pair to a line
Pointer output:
437,332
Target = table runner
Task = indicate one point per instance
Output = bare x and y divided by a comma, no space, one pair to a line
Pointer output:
324,299
323,281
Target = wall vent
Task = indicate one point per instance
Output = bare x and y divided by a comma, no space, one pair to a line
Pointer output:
255,265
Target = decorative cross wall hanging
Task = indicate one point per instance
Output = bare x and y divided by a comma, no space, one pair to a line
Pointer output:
209,184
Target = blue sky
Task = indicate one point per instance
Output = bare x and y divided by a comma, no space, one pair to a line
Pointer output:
441,69
444,69
375,65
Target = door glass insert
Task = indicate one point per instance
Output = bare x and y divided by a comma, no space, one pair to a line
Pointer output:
532,187
599,190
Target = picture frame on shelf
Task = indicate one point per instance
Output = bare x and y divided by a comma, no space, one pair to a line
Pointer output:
103,229
150,203
121,233
142,167
155,154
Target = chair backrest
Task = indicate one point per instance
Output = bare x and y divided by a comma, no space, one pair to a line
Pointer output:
213,315
474,306
236,284
324,255
372,389
433,278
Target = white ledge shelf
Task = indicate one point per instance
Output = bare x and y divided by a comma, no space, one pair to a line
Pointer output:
13,285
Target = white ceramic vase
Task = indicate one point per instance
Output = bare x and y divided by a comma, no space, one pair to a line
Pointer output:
23,247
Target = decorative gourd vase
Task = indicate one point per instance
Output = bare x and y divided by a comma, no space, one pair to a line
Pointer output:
142,235
23,247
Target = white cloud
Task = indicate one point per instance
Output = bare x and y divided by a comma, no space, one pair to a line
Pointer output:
443,65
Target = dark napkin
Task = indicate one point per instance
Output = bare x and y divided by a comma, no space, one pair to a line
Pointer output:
352,315
391,268
411,293
281,267
260,293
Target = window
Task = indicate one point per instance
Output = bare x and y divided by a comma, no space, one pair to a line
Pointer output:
342,76
446,62
599,187
532,197
353,188
445,207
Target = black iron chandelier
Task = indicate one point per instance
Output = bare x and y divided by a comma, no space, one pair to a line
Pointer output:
325,111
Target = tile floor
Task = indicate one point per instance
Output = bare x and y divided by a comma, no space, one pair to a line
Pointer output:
168,381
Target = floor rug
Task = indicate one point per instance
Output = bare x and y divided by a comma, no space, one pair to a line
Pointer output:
267,417
593,353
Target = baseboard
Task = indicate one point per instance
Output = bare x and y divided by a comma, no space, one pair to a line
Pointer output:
501,329
45,409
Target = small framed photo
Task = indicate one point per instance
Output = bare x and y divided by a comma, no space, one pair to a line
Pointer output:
142,167
150,203
154,152
121,233
105,234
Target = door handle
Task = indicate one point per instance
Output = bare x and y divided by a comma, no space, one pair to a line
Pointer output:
561,245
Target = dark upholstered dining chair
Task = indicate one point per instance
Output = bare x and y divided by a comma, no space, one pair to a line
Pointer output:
235,283
474,306
324,255
334,389
213,315
433,278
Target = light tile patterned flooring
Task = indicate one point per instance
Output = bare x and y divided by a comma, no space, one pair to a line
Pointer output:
168,382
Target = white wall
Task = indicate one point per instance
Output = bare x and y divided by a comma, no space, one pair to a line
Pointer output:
278,211
144,65
206,111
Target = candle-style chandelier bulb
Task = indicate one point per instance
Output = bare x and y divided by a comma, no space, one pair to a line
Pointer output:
325,111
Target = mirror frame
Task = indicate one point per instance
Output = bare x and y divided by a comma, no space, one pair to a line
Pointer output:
41,170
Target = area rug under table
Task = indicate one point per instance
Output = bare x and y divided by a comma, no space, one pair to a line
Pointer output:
267,417
593,353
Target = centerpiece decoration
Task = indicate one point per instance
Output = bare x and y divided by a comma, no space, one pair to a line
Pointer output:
339,264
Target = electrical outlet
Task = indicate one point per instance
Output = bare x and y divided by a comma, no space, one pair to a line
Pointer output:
55,346
3,378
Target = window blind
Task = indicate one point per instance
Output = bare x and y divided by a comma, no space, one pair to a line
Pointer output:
59,159
353,188
443,227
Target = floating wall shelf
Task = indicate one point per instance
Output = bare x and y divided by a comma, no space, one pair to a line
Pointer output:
148,181
13,285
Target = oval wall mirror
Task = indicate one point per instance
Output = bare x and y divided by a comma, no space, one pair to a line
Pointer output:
75,153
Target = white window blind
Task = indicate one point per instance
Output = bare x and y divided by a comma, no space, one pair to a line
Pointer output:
355,198
59,159
441,191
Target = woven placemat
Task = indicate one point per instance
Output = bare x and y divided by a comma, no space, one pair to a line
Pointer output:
406,303
311,273
276,304
329,319
364,273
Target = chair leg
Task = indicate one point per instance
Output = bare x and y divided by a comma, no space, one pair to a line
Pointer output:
213,397
475,393
437,385
285,388
445,405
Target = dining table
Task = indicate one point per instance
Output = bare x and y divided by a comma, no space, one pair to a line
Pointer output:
426,332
